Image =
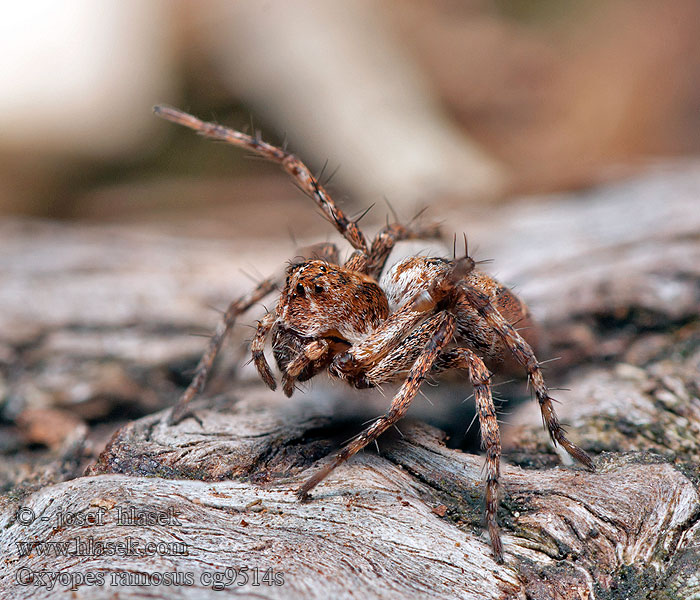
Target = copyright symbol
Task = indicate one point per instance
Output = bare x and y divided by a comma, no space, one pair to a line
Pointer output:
25,515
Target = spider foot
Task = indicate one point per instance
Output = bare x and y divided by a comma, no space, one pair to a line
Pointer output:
179,413
303,496
578,455
303,492
558,433
497,549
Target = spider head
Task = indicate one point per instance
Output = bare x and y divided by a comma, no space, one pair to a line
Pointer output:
327,304
321,299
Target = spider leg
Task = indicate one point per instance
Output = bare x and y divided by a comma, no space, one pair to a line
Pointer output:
180,410
399,360
441,337
373,262
405,354
357,262
299,172
354,364
479,376
257,347
526,357
313,351
386,239
327,251
357,362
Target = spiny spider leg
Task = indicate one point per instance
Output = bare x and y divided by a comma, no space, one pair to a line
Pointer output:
354,364
383,243
265,287
402,355
322,251
257,349
480,378
386,239
443,335
526,357
357,262
296,169
400,359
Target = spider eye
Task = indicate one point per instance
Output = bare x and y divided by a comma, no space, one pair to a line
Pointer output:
300,290
318,289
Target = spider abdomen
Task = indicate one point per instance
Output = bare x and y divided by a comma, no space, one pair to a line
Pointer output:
407,278
416,274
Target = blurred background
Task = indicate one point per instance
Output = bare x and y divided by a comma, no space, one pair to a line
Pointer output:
462,102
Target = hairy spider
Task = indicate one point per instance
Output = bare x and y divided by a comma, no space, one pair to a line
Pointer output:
367,327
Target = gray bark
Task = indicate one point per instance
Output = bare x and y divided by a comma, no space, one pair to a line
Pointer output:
93,326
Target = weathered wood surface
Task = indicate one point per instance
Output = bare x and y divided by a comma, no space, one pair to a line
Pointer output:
93,326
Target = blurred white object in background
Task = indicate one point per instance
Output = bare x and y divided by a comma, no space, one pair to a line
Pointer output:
79,76
331,75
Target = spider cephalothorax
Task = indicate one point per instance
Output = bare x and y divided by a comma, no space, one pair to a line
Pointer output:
320,299
331,317
423,316
323,309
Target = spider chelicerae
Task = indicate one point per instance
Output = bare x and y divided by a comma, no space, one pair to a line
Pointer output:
368,326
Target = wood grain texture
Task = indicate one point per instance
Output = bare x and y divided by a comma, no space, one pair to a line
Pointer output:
93,333
406,523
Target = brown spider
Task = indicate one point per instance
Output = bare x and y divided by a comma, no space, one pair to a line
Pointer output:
366,327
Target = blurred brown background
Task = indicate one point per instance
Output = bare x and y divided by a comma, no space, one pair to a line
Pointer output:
419,101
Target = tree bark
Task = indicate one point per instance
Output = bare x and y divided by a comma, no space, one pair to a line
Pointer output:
92,333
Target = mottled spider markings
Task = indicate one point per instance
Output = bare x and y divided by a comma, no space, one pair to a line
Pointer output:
426,315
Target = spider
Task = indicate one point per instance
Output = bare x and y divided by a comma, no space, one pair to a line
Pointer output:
367,326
